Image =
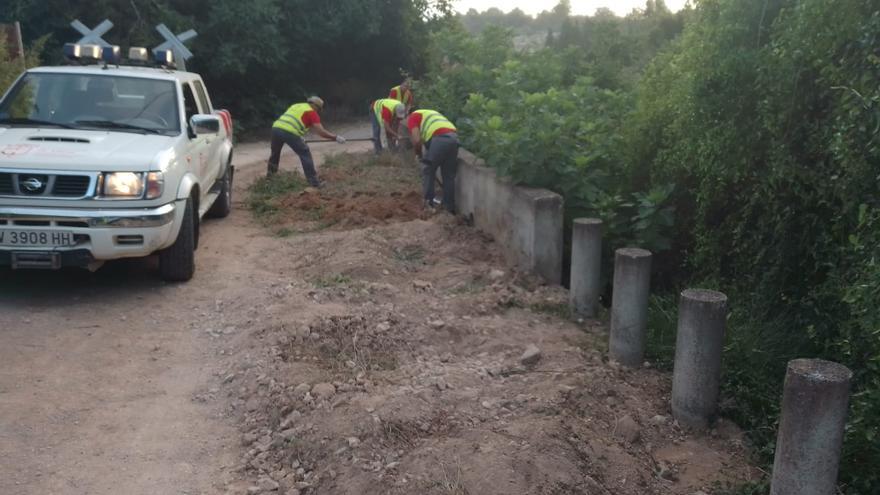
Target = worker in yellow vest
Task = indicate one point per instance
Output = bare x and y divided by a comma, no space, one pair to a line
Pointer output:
435,142
403,94
291,128
386,114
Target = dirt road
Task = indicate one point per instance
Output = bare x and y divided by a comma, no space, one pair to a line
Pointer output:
98,372
376,359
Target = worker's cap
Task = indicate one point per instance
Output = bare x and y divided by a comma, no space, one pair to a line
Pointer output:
400,110
314,100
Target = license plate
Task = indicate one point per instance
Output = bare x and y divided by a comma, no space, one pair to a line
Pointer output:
36,238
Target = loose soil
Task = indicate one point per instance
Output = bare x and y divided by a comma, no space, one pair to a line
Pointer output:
359,190
368,352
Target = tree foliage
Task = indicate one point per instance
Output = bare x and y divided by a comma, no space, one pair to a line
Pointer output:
552,117
259,56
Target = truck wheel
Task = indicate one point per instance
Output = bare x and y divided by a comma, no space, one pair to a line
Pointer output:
177,263
223,204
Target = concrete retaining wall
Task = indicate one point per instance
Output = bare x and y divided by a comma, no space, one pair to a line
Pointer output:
526,222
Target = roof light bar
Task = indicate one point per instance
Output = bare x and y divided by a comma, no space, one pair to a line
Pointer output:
72,51
77,52
90,51
111,54
138,56
138,53
164,57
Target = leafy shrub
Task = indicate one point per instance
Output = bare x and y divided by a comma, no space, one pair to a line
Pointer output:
746,152
765,114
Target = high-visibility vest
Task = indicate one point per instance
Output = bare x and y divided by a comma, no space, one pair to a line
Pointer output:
378,105
292,121
405,96
431,123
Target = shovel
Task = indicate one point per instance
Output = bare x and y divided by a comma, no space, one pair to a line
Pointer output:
352,140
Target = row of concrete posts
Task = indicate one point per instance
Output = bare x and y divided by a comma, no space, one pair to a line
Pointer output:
816,394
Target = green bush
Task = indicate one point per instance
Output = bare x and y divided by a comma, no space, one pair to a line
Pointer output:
745,153
11,69
766,116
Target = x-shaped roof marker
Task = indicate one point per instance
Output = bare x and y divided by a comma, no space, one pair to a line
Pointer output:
92,36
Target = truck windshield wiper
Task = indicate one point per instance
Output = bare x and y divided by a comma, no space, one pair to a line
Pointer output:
24,120
109,124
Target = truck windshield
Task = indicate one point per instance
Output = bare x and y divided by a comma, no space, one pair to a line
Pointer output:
89,101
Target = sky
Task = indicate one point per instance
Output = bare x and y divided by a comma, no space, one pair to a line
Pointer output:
578,7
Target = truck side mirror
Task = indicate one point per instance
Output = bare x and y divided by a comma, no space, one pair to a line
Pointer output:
205,124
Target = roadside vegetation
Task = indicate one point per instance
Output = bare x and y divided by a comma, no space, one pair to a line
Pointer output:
739,141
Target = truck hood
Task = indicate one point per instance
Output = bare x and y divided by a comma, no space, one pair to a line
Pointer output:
80,150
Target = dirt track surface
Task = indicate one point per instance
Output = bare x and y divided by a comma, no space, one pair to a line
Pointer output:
375,360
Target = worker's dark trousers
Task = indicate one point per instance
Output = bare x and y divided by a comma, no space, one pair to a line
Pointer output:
441,152
296,143
377,133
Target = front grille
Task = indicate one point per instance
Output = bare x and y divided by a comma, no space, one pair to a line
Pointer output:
32,223
6,184
36,185
71,185
75,224
32,185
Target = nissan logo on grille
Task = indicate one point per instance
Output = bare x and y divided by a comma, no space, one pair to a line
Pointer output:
32,185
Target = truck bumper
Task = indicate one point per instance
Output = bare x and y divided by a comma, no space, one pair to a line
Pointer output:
104,234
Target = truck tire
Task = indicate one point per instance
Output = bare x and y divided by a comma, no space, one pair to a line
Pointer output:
223,204
177,263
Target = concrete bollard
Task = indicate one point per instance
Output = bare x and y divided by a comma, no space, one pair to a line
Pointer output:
696,377
629,306
814,406
586,266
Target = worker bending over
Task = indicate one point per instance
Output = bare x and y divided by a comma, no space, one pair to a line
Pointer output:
291,128
437,135
386,113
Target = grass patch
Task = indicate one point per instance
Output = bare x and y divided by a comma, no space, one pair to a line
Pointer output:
409,254
559,310
452,481
266,193
662,330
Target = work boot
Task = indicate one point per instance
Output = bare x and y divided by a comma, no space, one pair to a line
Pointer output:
272,169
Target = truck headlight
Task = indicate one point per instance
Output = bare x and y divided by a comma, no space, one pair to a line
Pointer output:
155,185
123,185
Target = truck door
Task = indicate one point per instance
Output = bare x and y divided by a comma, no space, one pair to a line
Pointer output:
197,155
214,144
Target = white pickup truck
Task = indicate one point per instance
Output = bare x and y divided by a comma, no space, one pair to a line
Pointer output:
102,162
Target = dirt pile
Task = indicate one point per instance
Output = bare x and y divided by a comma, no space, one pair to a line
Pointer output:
358,190
392,363
354,210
